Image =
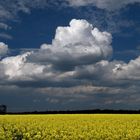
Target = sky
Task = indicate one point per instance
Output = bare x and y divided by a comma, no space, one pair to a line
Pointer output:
69,54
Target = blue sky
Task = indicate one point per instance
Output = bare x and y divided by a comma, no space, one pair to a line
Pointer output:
30,30
49,69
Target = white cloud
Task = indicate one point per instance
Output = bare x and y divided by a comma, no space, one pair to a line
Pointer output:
73,46
17,67
128,71
3,49
77,44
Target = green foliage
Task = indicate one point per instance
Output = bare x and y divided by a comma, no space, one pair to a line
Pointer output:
70,127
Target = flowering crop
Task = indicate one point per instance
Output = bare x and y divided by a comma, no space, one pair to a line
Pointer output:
70,127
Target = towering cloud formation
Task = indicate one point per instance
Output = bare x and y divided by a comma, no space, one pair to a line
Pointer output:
75,45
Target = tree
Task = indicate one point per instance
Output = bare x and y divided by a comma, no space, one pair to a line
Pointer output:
3,109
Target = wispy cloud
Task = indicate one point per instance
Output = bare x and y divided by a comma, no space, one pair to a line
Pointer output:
109,5
5,36
9,11
4,26
107,15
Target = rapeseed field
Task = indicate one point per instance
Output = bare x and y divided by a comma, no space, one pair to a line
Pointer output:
70,127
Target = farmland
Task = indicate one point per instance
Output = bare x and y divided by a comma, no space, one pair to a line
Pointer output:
70,127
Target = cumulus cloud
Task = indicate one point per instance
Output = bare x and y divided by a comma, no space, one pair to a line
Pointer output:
16,68
77,44
104,4
3,49
79,55
128,71
54,65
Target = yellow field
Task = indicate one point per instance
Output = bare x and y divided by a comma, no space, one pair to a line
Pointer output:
70,127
